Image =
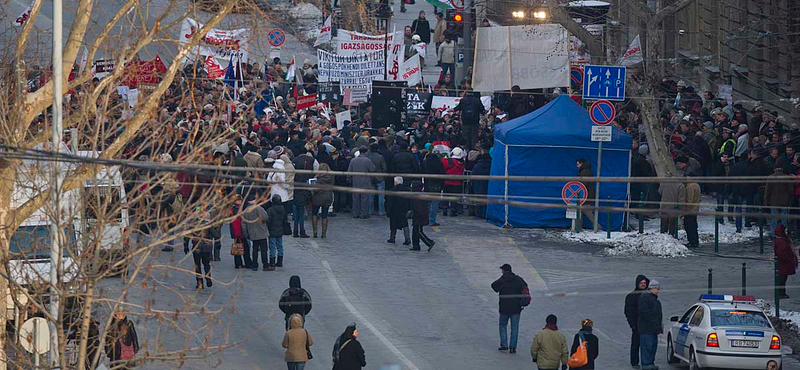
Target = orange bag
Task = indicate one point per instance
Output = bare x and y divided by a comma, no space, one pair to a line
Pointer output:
580,357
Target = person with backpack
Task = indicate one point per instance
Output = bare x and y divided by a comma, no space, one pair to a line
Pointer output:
591,345
511,288
471,109
347,351
295,300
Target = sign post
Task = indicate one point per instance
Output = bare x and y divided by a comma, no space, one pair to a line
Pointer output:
574,193
602,112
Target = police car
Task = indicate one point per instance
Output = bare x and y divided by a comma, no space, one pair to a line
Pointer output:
723,331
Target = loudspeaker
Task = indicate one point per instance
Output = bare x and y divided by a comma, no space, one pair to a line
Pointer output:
388,103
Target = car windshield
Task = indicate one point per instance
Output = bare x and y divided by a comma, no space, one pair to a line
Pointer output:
33,242
734,317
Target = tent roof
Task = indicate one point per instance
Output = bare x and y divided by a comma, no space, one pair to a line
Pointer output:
562,122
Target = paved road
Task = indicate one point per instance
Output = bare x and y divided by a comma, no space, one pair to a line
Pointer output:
432,310
430,72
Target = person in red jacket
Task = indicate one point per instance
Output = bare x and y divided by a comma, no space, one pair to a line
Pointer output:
238,236
787,260
454,165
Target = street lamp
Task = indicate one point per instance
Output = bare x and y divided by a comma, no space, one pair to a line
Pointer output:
518,14
540,14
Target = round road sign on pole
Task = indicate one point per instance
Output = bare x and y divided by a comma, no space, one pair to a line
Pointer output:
34,335
574,192
602,112
576,76
276,37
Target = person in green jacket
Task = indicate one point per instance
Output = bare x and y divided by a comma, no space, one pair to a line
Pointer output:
549,347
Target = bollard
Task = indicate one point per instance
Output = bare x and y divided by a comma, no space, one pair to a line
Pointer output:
608,221
744,278
716,235
777,292
710,276
579,220
641,214
760,237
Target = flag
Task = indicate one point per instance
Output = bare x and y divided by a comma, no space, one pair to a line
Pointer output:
213,68
447,4
230,78
22,18
324,33
633,55
412,71
290,71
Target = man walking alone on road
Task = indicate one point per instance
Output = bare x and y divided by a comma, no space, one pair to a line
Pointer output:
632,314
650,324
510,288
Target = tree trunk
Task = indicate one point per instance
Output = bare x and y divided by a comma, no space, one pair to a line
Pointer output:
9,225
651,123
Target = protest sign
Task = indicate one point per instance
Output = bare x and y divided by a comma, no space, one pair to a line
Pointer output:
220,44
355,71
307,101
341,117
416,101
214,69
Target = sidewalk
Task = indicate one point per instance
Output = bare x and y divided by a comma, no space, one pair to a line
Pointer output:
430,72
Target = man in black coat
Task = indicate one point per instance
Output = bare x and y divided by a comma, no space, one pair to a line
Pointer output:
295,300
422,27
433,166
404,162
397,208
649,324
471,109
510,288
632,314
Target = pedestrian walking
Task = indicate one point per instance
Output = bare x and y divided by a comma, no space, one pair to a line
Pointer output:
347,351
361,201
276,218
419,218
255,227
297,342
650,318
422,27
238,235
122,343
673,194
632,314
510,287
787,260
592,344
433,166
549,347
397,208
295,300
321,199
691,211
202,248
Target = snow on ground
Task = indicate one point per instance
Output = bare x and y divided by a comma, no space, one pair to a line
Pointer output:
307,18
632,243
769,309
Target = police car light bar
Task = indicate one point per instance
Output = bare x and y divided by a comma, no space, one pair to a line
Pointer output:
726,298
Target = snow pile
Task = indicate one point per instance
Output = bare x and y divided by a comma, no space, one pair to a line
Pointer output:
305,11
632,243
307,19
769,309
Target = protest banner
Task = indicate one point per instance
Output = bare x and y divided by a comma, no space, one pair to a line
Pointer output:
355,71
416,101
349,43
531,57
22,18
103,67
214,69
306,101
341,117
449,102
217,43
412,71
145,73
633,55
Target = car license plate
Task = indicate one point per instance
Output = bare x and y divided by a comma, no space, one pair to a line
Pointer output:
745,343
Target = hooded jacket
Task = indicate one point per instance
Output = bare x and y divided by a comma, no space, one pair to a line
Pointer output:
784,252
510,288
276,216
347,351
295,341
295,299
289,167
632,303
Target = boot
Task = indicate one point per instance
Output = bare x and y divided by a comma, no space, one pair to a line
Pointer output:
280,261
324,227
314,225
271,265
199,285
208,281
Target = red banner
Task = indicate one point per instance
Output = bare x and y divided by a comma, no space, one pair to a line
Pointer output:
307,101
144,72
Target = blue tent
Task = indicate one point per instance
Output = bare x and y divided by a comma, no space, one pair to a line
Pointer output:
548,142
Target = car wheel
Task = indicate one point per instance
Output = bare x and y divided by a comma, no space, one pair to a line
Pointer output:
671,359
693,360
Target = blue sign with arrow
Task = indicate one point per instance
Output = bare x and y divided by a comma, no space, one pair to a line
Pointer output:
603,82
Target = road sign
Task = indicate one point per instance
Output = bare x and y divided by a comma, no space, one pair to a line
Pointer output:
572,214
602,112
461,57
576,76
276,37
604,82
601,133
34,335
274,52
574,192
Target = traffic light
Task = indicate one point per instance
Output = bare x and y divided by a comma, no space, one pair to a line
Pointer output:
458,18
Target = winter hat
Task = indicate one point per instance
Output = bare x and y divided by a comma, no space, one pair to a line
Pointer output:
708,124
416,38
644,149
654,284
681,83
457,153
278,151
506,267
